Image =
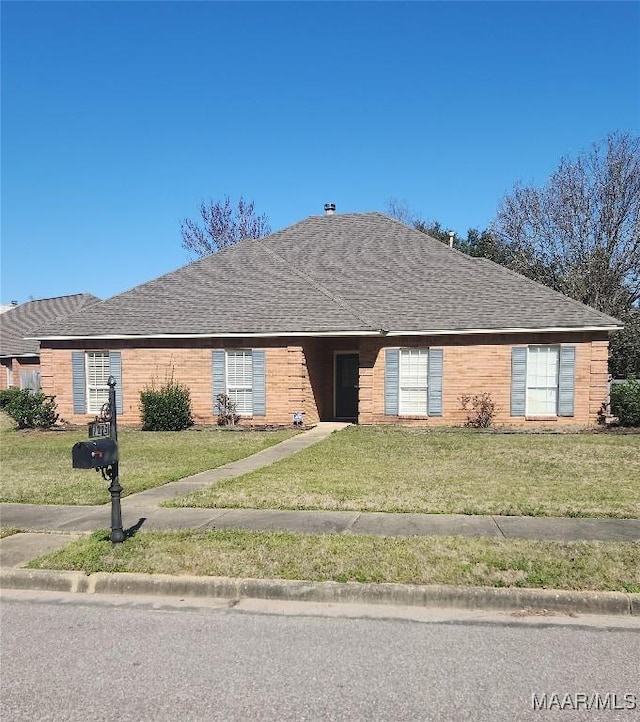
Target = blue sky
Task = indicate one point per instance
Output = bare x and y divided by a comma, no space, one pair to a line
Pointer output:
118,118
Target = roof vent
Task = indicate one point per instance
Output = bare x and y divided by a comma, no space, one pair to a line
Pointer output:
329,209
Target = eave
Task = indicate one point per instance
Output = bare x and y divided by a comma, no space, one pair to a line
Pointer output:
348,333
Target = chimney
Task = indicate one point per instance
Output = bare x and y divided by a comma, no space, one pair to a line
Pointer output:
451,235
329,209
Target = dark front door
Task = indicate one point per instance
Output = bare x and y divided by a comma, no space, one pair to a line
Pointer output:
347,377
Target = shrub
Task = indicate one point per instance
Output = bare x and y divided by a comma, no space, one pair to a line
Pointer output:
6,396
32,410
625,402
167,408
481,410
227,415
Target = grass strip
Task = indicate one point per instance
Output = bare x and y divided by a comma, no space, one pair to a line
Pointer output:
453,471
8,531
610,566
36,465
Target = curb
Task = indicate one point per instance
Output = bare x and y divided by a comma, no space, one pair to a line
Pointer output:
468,598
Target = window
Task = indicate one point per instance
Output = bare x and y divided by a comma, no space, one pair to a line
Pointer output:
97,374
413,381
240,380
542,380
241,375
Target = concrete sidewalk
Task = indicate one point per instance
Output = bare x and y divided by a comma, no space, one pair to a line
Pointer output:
70,519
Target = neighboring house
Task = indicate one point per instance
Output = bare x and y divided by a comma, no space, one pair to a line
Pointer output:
19,356
352,316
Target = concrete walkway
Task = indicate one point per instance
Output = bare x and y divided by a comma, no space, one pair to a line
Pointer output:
143,511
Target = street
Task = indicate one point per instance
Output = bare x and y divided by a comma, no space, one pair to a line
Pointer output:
82,657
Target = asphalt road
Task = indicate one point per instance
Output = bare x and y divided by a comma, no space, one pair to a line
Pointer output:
67,657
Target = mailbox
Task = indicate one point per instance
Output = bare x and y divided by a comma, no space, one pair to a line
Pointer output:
94,454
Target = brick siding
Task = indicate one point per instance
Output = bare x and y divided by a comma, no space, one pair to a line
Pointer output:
300,375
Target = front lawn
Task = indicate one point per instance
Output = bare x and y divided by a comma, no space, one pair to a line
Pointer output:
36,465
343,557
397,469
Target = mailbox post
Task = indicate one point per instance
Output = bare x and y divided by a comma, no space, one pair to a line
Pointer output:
101,453
117,532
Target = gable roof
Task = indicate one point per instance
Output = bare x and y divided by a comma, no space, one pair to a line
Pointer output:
20,321
351,274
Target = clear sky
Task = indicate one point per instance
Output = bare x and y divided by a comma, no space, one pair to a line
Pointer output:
118,118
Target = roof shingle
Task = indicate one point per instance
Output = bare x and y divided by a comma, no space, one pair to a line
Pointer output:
21,321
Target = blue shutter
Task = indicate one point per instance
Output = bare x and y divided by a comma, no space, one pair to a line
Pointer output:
566,380
115,370
434,382
218,375
259,390
391,381
78,383
518,381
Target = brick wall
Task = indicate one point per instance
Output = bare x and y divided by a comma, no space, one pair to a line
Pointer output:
300,375
16,365
477,364
288,387
5,367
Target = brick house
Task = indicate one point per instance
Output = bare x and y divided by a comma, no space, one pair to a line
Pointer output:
19,356
349,316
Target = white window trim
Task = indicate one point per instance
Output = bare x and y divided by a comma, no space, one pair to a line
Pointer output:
528,412
92,387
415,414
243,414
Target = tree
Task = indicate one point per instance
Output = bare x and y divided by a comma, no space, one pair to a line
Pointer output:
484,244
624,348
580,233
223,224
400,210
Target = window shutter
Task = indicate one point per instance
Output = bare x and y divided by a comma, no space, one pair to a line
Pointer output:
434,382
115,370
566,380
259,390
518,381
218,376
78,384
391,381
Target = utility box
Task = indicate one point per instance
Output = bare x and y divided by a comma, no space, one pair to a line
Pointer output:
94,454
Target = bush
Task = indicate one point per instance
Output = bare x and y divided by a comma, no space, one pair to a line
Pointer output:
227,415
481,410
31,410
167,408
7,396
625,402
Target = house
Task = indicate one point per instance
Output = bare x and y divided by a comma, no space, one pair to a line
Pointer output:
339,316
19,357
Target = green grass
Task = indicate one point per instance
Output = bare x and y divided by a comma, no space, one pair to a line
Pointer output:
36,465
612,566
8,531
396,469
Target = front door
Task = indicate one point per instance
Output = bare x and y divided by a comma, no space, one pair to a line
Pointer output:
347,378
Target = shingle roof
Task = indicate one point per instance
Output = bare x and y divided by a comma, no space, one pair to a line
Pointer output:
20,321
360,273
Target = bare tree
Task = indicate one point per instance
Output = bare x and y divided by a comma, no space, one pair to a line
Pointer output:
580,233
222,225
399,209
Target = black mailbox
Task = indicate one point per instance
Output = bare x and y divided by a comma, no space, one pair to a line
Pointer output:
94,454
